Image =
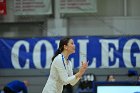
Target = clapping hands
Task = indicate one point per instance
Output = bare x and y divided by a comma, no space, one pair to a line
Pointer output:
85,65
83,68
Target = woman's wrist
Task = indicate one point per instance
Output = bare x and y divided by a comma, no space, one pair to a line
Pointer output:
78,75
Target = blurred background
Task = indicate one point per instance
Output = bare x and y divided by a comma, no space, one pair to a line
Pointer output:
96,22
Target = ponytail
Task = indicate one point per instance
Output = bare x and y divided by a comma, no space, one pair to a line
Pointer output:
56,53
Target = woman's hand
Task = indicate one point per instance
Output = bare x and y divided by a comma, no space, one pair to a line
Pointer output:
84,65
82,69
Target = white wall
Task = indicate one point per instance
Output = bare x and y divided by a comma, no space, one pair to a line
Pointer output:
104,26
114,17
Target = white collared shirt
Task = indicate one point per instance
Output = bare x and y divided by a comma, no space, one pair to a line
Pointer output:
61,74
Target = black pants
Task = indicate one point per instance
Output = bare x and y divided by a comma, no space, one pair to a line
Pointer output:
7,90
67,89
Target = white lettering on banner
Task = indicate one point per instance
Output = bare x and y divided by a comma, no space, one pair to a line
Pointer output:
93,64
137,56
106,54
82,50
108,49
37,53
15,54
127,53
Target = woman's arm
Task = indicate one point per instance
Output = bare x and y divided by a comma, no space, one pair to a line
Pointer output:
63,73
58,63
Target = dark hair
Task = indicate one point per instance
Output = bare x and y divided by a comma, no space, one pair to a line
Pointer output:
108,77
63,41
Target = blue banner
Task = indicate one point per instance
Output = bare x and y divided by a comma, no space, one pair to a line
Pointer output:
101,52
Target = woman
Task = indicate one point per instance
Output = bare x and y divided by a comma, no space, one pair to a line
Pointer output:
61,72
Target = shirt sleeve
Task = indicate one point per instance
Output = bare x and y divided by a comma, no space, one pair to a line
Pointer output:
74,81
58,63
24,89
71,74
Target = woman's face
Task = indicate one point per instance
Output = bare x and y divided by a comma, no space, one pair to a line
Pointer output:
111,78
70,47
